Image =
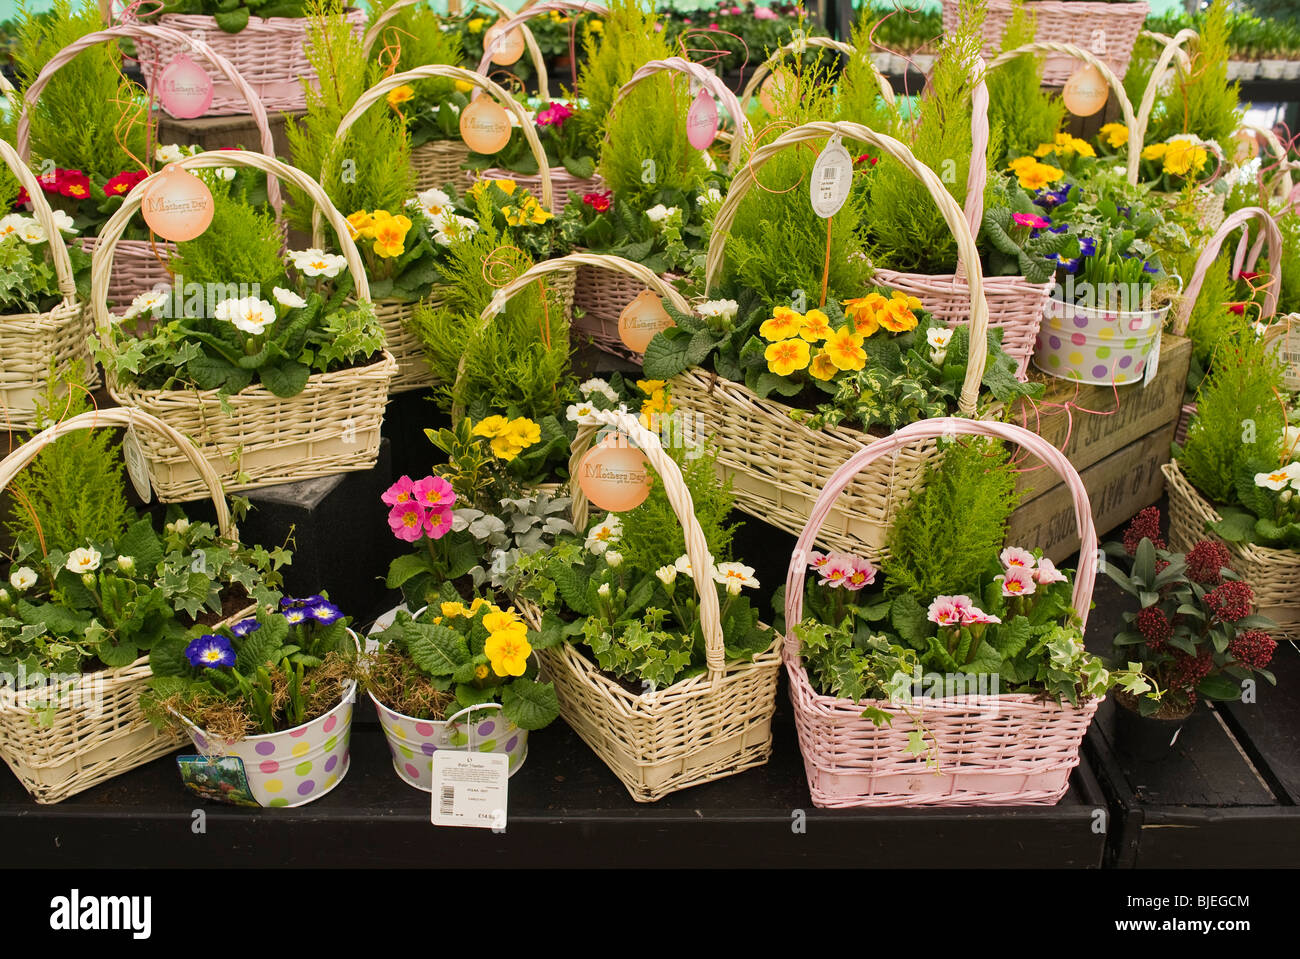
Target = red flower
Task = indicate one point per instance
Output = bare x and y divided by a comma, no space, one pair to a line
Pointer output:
600,202
1145,525
866,158
1205,560
124,182
1247,275
1238,308
23,198
1230,601
1254,647
1154,626
73,183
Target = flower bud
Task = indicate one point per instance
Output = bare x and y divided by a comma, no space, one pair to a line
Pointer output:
4,599
603,590
88,580
1286,495
613,558
125,563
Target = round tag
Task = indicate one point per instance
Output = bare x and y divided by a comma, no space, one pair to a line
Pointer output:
641,320
775,87
177,205
485,126
509,50
702,121
185,89
832,176
615,475
136,467
1086,91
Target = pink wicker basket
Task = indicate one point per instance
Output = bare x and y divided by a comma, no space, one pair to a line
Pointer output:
270,53
1107,29
600,296
141,265
993,750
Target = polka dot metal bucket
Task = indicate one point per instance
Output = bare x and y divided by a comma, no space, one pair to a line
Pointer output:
479,728
1097,346
295,766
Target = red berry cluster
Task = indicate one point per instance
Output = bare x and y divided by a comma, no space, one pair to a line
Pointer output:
1205,560
1155,627
1145,525
1254,648
1187,670
1230,601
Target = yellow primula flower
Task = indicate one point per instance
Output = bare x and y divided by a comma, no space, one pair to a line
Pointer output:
464,86
908,301
476,25
822,366
1082,147
491,426
498,620
523,432
861,313
650,386
399,95
479,602
452,610
845,350
1115,134
784,324
505,448
816,326
1021,163
361,223
1043,149
390,235
505,185
896,317
1184,156
1039,175
480,672
595,26
787,356
508,652
1155,151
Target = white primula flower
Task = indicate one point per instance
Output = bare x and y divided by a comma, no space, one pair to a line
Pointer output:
603,590
577,412
288,298
604,535
1277,480
711,195
32,233
147,302
666,574
735,576
181,525
659,213
938,338
23,578
84,560
1259,328
1292,439
433,202
251,314
1292,470
597,385
64,222
718,309
13,225
126,563
318,263
168,153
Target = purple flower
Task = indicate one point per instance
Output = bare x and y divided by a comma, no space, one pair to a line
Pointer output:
245,626
296,615
325,613
211,652
1148,268
288,603
1071,266
1087,246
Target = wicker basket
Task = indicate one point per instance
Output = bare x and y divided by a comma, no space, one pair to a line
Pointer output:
332,426
778,466
601,295
1109,29
101,732
141,265
563,182
270,53
1013,749
799,47
712,725
31,342
1273,574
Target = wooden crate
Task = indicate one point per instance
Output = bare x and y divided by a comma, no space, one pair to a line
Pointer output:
226,133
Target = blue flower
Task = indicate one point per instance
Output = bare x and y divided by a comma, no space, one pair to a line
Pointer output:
1125,211
211,652
1058,229
245,626
325,613
1148,268
1087,246
1071,266
295,615
288,603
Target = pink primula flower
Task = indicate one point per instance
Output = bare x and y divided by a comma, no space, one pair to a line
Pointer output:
434,492
977,617
817,560
864,574
437,523
1048,573
1014,557
407,521
1030,219
945,611
839,567
403,491
1018,582
764,13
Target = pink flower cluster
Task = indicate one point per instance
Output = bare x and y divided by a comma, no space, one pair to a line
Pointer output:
1024,572
420,508
554,115
842,569
955,611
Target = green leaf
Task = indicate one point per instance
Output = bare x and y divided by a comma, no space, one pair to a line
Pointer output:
285,379
769,383
572,584
530,705
1219,688
405,567
232,21
167,658
115,654
1237,526
436,649
142,544
910,620
667,355
261,646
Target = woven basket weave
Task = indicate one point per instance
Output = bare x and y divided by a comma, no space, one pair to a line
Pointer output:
332,426
1112,27
1013,749
141,265
31,342
1273,574
438,163
712,725
97,730
271,54
777,466
601,294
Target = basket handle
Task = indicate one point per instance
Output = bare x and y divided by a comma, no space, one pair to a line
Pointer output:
520,19
127,417
428,71
1172,48
967,254
45,217
1135,134
1203,263
530,41
1084,577
679,497
560,264
1284,165
799,46
102,262
707,78
147,32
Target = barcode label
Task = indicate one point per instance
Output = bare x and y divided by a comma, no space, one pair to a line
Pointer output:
448,805
469,789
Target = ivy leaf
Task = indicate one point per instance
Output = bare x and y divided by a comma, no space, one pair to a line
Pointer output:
529,704
916,743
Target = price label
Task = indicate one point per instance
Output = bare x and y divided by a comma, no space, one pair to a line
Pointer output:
832,176
1153,362
469,789
136,466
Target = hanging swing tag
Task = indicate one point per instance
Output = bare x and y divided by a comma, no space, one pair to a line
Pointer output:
470,789
832,177
702,121
185,89
1086,91
136,467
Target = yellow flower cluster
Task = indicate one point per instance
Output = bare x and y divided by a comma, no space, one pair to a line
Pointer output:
507,647
529,211
508,438
504,184
387,231
656,405
791,335
399,95
1064,145
1115,134
1032,174
1179,156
